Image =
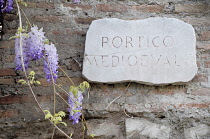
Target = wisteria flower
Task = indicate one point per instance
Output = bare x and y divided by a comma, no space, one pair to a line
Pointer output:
51,61
25,53
6,6
75,1
35,43
75,110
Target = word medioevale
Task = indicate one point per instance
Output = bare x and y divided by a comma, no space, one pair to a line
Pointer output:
140,60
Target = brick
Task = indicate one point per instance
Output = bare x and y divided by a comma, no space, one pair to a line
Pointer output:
24,99
84,20
202,21
10,17
51,19
201,92
7,44
205,36
111,8
8,113
76,6
207,64
14,99
9,58
7,81
193,105
205,46
148,8
62,80
200,78
29,5
169,91
7,72
72,33
45,5
191,8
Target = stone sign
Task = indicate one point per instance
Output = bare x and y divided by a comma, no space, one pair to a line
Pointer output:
151,51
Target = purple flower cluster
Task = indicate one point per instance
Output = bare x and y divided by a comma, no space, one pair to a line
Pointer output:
75,101
51,61
6,6
34,48
35,43
75,1
25,53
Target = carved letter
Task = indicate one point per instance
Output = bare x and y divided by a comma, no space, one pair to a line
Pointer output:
156,62
166,62
168,41
104,41
119,44
189,59
116,61
133,60
128,41
153,41
87,58
144,59
104,62
140,40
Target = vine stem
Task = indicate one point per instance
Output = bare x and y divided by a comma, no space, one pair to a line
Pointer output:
24,70
118,96
67,76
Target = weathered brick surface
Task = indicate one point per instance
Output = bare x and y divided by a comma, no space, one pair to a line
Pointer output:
149,8
82,7
7,72
192,8
84,20
184,109
8,113
111,8
7,81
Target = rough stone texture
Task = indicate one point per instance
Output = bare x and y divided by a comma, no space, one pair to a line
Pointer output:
179,107
197,132
152,51
136,128
104,129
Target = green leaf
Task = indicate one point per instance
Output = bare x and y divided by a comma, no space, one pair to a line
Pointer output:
61,113
77,110
63,123
75,91
48,116
25,4
32,73
46,111
46,41
37,82
71,88
13,37
21,80
24,82
92,135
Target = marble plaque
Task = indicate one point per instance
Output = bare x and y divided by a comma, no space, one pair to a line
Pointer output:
151,51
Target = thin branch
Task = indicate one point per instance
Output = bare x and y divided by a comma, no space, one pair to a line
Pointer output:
127,114
118,96
26,17
53,133
67,76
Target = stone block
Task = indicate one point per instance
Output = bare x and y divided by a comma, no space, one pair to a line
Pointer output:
139,128
103,129
197,132
152,51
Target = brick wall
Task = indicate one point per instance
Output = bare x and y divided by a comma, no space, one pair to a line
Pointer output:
166,112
